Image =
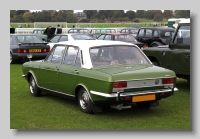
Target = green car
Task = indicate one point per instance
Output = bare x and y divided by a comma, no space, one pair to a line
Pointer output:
176,55
98,73
42,33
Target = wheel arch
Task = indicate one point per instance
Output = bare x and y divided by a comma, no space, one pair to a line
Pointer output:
157,43
78,87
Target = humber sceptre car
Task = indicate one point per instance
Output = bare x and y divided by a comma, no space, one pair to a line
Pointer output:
84,71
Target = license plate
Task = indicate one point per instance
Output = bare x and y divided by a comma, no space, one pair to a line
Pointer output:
34,50
143,98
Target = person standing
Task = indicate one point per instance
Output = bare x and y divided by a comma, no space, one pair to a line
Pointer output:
49,32
59,29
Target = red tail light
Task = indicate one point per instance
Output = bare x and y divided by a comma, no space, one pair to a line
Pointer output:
45,50
23,51
168,81
119,84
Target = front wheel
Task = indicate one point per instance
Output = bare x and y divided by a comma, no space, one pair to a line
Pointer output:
34,90
84,101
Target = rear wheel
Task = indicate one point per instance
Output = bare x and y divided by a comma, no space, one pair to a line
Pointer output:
34,90
84,101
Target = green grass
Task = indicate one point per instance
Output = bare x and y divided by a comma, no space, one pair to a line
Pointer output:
141,23
55,112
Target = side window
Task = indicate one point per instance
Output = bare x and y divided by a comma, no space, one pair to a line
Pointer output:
78,59
155,33
101,37
11,41
64,38
71,55
149,32
55,39
56,55
108,37
183,35
141,32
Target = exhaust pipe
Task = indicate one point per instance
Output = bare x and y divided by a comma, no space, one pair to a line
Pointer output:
120,107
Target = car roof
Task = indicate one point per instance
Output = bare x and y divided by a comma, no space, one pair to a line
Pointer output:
23,34
93,43
159,28
118,33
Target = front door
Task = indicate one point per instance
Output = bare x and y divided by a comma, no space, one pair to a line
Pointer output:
50,67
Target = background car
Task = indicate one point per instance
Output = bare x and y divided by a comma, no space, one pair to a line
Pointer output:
40,33
154,36
84,71
23,44
175,55
78,30
68,37
125,37
131,30
99,31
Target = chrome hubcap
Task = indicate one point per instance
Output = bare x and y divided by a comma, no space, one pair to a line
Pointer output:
32,86
84,100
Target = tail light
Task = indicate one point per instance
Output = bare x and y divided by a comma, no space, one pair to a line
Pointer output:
45,50
168,81
119,84
145,46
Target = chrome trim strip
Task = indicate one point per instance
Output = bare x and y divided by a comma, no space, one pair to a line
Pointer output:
56,91
132,93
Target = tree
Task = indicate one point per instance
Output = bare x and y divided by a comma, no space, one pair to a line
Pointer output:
157,17
130,15
182,13
28,17
168,14
71,18
149,14
90,13
140,13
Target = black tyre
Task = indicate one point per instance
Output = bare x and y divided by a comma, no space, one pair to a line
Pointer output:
34,90
154,45
146,104
12,61
84,101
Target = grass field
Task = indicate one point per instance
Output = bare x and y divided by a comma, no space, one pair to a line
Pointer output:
143,22
55,112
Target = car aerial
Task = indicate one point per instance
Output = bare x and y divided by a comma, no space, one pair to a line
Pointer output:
23,44
68,37
131,30
78,30
154,36
175,55
99,31
126,37
84,71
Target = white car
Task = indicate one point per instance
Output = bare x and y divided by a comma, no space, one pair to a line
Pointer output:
68,37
